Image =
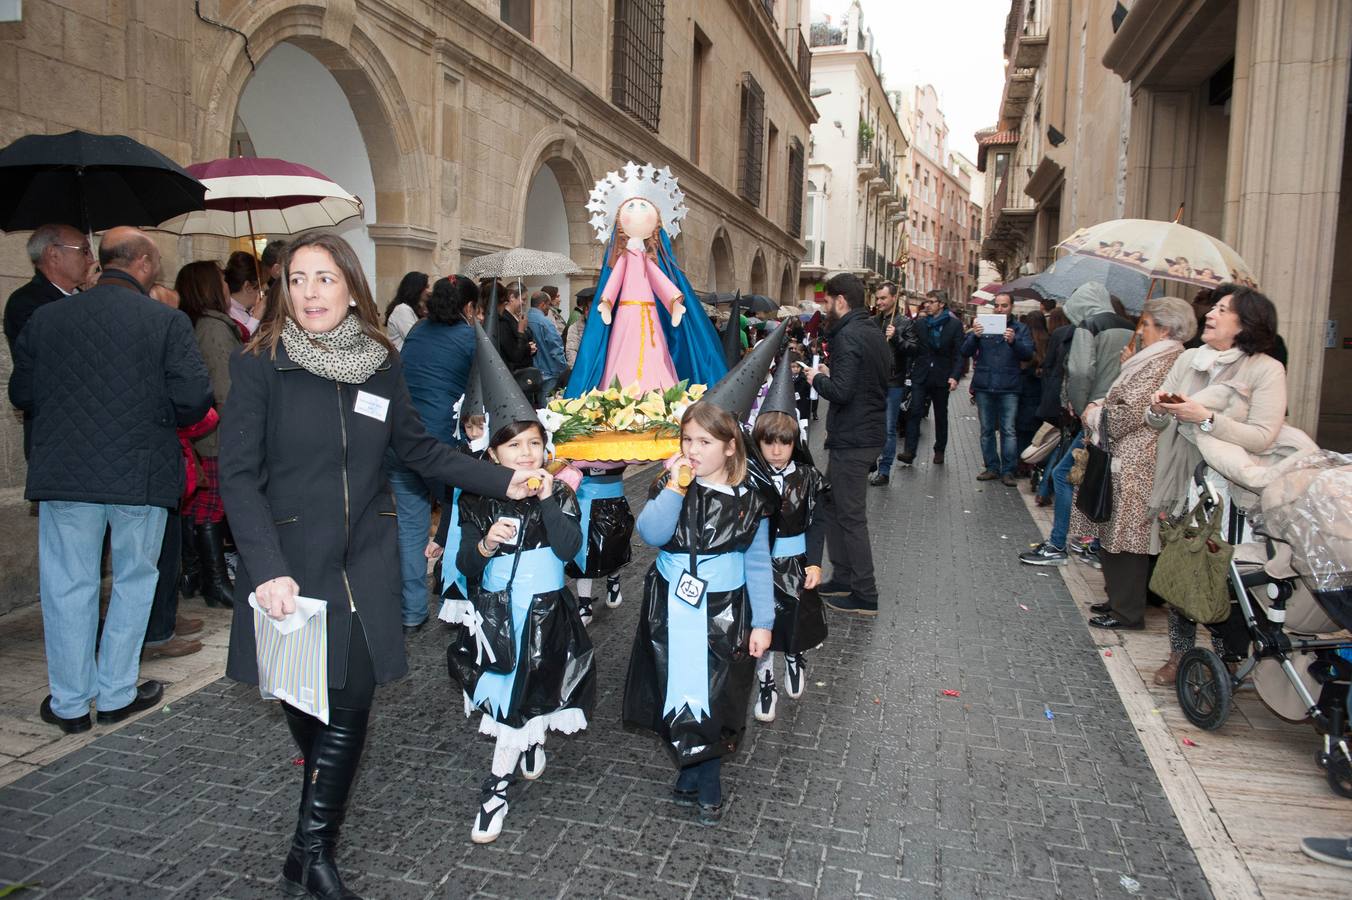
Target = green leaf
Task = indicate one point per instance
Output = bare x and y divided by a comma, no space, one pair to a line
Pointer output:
9,889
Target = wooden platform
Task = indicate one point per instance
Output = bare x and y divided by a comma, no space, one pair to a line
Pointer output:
1246,793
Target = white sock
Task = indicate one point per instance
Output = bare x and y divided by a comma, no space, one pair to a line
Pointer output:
584,587
765,664
504,760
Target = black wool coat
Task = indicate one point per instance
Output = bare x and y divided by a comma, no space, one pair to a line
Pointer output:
105,378
861,366
933,366
306,494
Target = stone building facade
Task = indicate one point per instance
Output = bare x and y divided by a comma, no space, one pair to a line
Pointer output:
940,221
477,123
858,181
1234,110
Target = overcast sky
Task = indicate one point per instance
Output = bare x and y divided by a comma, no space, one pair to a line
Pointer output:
955,45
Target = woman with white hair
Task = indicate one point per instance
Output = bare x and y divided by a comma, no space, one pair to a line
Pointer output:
1125,538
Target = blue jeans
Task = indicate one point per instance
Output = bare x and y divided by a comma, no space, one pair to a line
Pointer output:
70,553
413,503
1065,494
1044,485
706,777
998,412
894,397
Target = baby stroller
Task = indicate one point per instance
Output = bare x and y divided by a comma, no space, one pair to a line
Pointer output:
1291,602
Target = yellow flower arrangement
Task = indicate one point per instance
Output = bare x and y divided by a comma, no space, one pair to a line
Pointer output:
626,409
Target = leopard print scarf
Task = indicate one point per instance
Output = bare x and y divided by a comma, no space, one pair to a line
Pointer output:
346,354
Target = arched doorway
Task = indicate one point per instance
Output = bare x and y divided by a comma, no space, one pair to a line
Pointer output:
722,275
399,221
759,281
274,129
788,295
546,228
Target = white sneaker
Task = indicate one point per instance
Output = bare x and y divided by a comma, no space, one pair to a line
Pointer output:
584,610
795,671
492,810
613,596
767,698
533,762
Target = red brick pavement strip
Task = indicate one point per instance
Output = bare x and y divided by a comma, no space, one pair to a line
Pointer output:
873,784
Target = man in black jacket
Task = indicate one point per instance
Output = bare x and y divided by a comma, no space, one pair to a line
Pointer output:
107,377
934,375
900,334
61,258
856,388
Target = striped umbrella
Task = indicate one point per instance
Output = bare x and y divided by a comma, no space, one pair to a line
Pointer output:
259,195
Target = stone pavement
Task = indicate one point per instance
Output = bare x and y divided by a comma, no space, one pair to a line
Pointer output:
875,783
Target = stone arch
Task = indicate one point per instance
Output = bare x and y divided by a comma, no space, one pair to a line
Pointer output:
788,287
402,231
759,280
555,149
722,273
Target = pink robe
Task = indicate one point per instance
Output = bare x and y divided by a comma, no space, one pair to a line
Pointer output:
637,351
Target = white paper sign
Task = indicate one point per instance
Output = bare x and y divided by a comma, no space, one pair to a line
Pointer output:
371,405
992,323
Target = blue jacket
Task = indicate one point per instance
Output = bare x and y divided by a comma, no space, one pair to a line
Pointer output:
996,361
549,357
436,359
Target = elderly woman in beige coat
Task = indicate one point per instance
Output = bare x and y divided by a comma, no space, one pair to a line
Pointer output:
1230,389
1125,538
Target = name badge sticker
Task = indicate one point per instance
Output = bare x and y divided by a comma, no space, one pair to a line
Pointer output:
691,589
370,405
513,522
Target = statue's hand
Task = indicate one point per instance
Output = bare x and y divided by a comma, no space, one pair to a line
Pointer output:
605,312
677,313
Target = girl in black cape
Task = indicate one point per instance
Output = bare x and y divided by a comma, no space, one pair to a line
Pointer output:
797,535
707,605
522,655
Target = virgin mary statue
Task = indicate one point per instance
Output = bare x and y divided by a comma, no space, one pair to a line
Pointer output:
646,327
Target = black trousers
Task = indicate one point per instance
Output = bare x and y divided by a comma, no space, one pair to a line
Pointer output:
846,511
937,398
1126,576
164,604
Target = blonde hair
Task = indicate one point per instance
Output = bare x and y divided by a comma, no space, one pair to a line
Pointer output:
721,424
278,308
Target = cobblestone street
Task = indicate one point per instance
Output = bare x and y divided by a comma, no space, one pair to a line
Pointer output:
1029,783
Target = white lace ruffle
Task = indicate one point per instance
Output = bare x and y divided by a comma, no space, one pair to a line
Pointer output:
566,721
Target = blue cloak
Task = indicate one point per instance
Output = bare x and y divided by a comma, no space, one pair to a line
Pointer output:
696,351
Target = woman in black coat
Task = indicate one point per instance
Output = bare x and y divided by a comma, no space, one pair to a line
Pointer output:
317,397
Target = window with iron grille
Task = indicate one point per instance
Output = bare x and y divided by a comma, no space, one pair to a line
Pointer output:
636,73
751,140
795,185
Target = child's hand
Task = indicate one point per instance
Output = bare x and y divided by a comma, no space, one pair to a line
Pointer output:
433,550
812,576
546,486
499,533
760,642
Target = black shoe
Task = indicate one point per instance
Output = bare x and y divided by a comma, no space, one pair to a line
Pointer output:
852,604
1334,851
938,459
710,815
878,478
1112,622
410,630
304,729
336,751
77,725
1101,608
905,458
148,694
217,589
832,588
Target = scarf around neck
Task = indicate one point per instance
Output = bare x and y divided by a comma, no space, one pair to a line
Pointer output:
1145,355
936,327
1207,358
346,354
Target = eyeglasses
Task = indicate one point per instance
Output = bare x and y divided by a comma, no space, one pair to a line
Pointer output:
83,248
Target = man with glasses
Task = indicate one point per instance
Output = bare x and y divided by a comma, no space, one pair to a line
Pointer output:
61,259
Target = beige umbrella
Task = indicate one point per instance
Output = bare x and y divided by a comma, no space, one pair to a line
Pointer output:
1162,251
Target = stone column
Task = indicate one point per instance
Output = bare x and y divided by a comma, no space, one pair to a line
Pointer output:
1288,114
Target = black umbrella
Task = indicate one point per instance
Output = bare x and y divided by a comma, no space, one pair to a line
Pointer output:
758,303
91,182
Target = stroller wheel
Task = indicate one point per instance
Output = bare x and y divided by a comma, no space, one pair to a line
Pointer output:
1204,688
1339,772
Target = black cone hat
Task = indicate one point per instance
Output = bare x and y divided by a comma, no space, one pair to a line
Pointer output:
473,404
503,400
491,315
781,397
732,333
737,390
